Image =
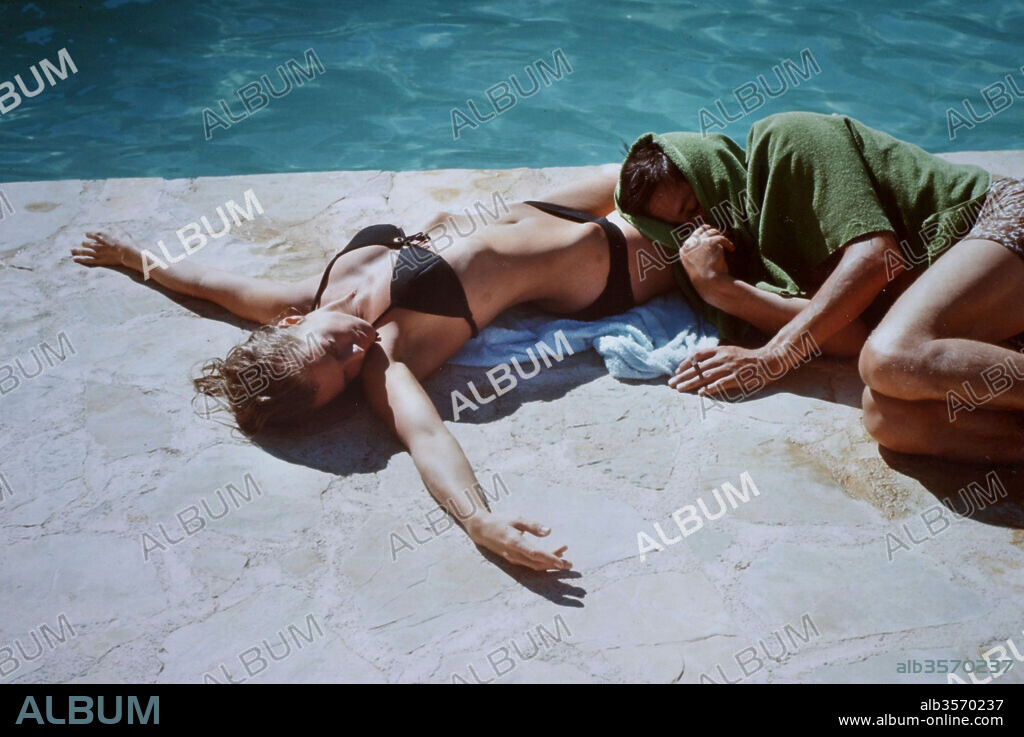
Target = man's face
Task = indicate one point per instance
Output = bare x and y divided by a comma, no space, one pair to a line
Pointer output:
675,203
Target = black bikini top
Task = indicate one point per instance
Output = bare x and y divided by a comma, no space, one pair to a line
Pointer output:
420,279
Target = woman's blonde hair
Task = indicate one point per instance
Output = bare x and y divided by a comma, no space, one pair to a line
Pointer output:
261,379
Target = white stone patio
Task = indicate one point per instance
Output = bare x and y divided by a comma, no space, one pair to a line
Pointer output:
104,445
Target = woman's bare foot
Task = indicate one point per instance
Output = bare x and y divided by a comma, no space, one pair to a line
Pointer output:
109,247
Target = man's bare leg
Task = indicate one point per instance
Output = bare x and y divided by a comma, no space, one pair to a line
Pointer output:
943,331
924,428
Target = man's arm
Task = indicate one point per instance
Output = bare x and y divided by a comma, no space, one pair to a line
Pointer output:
399,399
856,282
770,312
703,257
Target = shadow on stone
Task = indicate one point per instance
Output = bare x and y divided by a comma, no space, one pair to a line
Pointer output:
343,438
552,585
968,489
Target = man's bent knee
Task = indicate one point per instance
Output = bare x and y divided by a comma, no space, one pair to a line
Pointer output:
890,364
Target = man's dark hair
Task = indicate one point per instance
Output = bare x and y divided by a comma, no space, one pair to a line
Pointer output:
644,169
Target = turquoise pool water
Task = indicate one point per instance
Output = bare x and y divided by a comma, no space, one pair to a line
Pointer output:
394,70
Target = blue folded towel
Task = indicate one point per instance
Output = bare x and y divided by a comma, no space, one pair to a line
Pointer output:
644,343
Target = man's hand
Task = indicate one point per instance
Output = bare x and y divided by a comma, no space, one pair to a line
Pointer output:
505,536
722,369
703,256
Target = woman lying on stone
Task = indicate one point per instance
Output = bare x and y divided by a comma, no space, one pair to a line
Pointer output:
811,235
391,310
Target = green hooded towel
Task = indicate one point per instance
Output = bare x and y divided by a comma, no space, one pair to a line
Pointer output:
807,185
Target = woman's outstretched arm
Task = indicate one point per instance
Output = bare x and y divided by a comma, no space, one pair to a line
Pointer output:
397,396
259,300
594,195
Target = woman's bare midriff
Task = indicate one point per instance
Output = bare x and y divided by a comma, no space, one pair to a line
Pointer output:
526,256
560,265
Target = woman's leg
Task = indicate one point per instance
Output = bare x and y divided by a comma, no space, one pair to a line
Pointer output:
941,335
924,428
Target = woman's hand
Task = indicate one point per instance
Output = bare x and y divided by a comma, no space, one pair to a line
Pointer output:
723,368
110,247
703,256
504,535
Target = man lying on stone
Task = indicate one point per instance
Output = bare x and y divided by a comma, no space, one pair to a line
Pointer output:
390,309
810,236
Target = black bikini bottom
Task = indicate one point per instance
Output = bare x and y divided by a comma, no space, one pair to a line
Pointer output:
617,296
